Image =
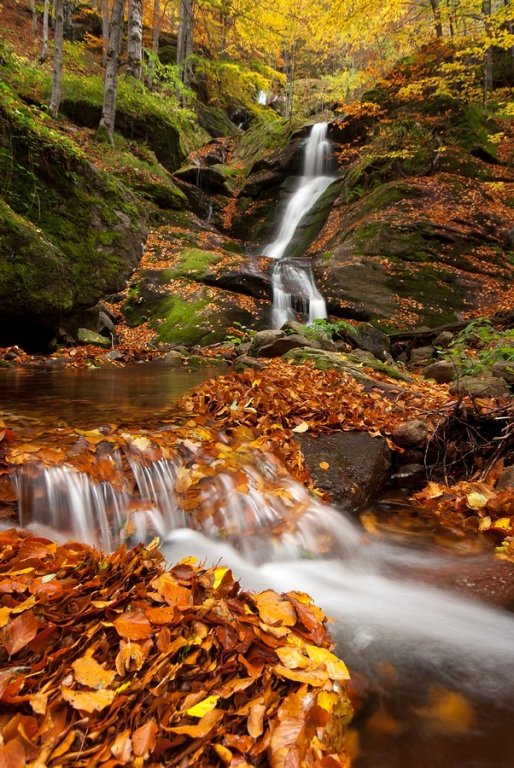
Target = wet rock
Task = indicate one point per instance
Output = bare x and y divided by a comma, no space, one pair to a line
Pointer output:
85,336
358,466
410,433
113,356
442,372
505,371
173,358
487,386
243,362
421,354
444,339
370,339
506,479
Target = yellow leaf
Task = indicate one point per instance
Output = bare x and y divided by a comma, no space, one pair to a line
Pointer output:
303,427
476,500
218,576
204,706
335,667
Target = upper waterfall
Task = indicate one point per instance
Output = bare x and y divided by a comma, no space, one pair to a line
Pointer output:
293,282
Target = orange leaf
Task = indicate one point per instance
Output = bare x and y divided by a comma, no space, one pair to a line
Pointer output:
88,701
89,672
20,632
133,625
144,738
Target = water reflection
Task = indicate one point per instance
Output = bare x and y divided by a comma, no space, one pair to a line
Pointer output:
83,397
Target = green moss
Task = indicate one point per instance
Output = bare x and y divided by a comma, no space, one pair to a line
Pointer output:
182,321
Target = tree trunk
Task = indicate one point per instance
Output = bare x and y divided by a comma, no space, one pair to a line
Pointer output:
135,39
105,30
55,98
434,4
156,26
44,47
106,126
488,54
185,40
34,17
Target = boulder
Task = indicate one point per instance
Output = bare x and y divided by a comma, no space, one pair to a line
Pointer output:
85,336
506,480
474,386
443,372
278,345
504,370
370,339
421,354
243,362
410,433
358,466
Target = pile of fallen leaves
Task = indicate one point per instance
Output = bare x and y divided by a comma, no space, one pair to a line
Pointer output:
112,660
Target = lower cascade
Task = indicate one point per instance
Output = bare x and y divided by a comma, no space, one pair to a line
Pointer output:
292,281
274,534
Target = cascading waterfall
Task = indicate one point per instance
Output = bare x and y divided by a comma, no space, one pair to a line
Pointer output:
292,281
365,585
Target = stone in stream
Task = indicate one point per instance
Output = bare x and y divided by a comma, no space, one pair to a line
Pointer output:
442,372
474,386
85,336
506,480
505,370
410,433
358,466
275,343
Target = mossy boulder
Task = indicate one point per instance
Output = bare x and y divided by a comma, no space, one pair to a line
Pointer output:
75,233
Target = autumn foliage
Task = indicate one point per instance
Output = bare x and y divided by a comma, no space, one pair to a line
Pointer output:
114,660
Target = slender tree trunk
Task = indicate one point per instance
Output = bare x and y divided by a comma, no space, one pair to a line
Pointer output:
156,26
436,10
135,39
106,126
44,46
55,98
105,30
185,40
34,17
488,55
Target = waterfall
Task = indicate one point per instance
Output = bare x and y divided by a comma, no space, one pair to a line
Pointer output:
290,279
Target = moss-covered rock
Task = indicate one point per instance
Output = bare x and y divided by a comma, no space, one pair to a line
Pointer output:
89,225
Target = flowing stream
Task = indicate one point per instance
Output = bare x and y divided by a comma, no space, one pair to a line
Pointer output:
291,278
411,641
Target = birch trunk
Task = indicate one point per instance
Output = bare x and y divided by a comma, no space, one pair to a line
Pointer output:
156,26
106,126
105,30
34,17
55,98
44,46
135,39
185,40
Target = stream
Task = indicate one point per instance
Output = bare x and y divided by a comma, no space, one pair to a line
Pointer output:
439,667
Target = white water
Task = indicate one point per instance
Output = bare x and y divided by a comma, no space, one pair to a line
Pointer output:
294,282
365,586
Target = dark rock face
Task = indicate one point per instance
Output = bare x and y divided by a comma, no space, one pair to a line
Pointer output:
358,466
